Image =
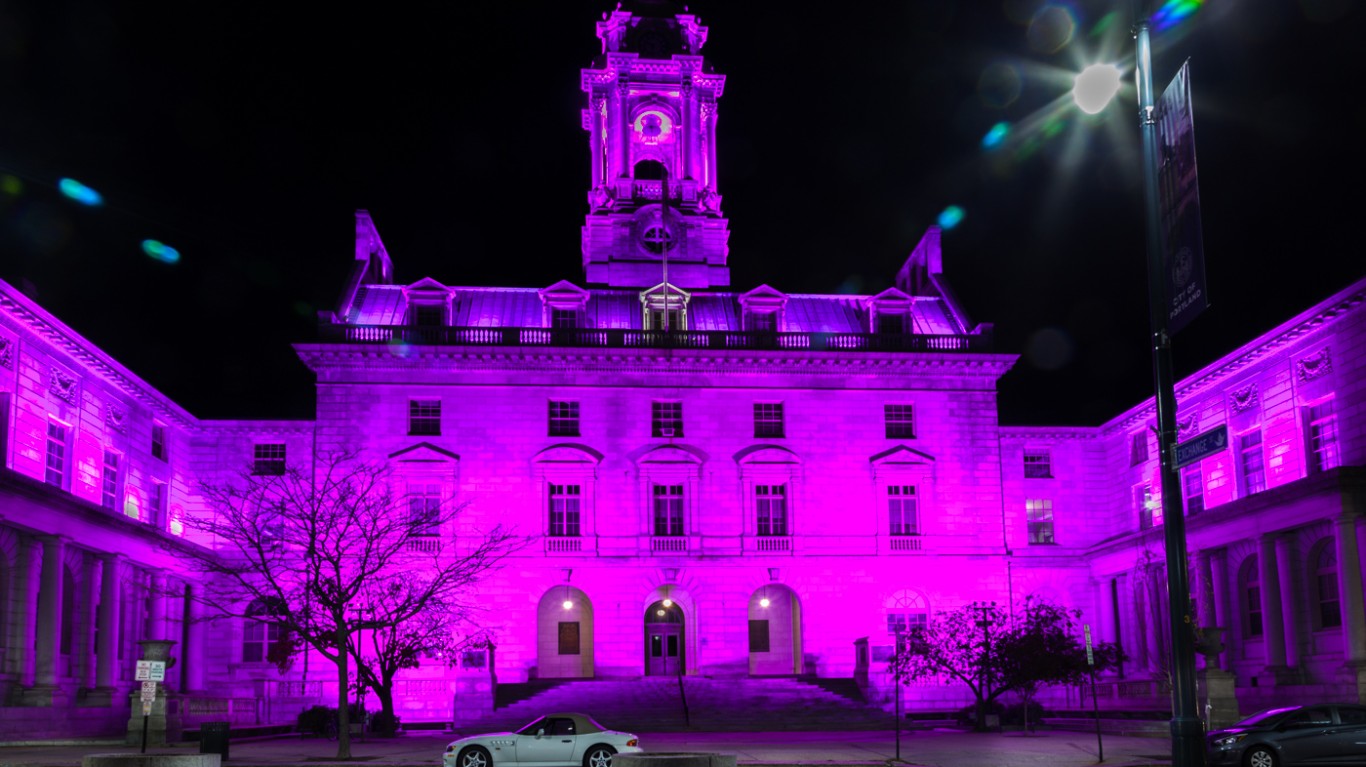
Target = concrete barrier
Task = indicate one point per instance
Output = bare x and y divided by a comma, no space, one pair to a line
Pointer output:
673,760
152,760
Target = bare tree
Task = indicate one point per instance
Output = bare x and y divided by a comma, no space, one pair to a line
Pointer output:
328,550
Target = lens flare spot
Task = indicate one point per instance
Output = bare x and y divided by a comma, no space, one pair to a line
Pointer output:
1174,12
1051,29
1049,349
996,136
400,348
10,186
950,217
160,251
78,192
999,85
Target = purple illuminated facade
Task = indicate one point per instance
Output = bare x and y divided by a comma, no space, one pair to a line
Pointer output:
726,482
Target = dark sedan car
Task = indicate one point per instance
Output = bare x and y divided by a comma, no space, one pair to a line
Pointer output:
1330,733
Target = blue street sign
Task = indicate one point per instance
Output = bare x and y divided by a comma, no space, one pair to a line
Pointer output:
1202,446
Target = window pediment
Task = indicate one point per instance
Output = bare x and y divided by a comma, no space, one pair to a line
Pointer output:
671,455
568,455
767,455
902,460
763,299
564,295
424,452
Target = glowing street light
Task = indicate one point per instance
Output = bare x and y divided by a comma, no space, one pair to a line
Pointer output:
1095,86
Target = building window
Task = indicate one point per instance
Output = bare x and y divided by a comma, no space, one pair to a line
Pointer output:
1323,437
564,419
771,507
429,315
1193,488
1329,612
424,417
901,623
668,508
902,510
1252,598
758,636
666,419
569,638
1250,462
671,320
1138,448
762,322
899,420
768,420
260,640
1149,513
563,319
564,510
890,324
424,508
269,459
161,497
159,443
1038,464
109,484
56,453
1040,515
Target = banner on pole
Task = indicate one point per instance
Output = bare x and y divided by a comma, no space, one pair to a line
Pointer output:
1183,249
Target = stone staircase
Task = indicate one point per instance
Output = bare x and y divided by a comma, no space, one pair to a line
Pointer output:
654,704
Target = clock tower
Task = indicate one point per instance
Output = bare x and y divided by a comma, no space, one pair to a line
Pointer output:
651,121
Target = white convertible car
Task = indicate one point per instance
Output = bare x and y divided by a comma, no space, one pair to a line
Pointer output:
558,740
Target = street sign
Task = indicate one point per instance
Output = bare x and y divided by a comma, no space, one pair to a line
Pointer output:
150,671
1202,446
149,691
146,711
1090,658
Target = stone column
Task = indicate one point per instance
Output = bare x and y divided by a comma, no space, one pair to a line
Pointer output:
156,606
192,654
110,567
688,127
26,633
1285,569
1350,592
1157,637
1273,623
85,649
1223,611
49,611
596,129
711,147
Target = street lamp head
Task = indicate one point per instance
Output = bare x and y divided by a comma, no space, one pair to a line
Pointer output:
1095,86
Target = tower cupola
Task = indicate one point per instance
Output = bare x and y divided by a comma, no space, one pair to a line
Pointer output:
653,203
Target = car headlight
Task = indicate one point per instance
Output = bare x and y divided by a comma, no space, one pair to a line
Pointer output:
632,742
450,748
1229,740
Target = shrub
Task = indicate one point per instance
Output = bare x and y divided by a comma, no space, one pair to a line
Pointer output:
967,715
384,724
1014,713
314,720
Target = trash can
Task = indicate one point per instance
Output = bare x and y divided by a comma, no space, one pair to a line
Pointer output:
213,739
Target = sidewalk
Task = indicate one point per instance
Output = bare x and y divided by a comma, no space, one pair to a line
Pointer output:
936,748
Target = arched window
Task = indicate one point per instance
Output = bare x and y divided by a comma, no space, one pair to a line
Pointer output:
260,635
1328,612
1251,584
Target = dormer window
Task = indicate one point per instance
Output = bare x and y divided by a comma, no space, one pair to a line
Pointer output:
889,313
429,304
564,304
665,308
564,318
762,310
891,324
762,322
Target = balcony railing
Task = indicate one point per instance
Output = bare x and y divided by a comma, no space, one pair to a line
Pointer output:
652,339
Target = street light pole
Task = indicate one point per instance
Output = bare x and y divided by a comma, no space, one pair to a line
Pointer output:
1187,735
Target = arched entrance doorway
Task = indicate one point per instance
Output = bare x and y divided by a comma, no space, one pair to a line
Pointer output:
564,634
775,631
664,639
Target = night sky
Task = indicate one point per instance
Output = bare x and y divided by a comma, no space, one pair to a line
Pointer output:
245,135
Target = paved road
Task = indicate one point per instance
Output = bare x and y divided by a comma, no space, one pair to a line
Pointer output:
938,748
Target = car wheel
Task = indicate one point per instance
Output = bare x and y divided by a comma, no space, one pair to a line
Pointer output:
1260,756
598,756
474,756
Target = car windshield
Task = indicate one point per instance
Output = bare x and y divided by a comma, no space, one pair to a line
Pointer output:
535,725
1264,718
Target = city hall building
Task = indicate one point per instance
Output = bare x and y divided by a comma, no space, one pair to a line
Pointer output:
715,480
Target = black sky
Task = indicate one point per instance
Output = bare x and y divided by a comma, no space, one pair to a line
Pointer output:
246,134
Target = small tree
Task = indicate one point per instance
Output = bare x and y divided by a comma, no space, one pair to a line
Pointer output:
308,550
981,647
